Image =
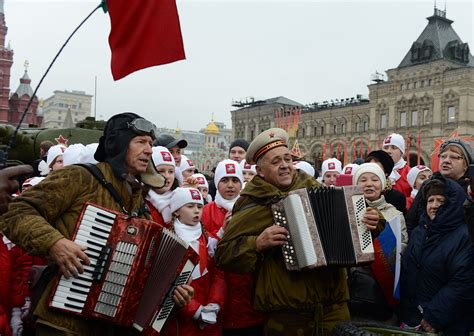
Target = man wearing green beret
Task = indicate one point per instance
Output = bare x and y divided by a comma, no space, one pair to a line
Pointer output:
308,302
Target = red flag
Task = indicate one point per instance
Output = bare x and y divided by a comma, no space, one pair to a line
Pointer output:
360,146
354,152
330,149
418,158
339,151
324,150
345,153
407,152
143,34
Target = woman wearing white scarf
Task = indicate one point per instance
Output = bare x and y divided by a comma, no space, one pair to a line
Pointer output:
229,180
208,282
158,200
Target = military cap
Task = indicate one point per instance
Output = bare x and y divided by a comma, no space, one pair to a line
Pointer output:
265,141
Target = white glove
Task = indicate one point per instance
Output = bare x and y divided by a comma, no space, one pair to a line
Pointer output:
211,246
25,309
209,313
16,323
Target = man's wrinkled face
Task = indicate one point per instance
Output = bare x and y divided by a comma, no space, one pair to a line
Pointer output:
139,154
276,167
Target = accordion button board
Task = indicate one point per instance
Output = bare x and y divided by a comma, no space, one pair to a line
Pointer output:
325,228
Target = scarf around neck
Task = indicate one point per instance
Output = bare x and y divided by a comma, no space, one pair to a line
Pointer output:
162,203
224,203
395,175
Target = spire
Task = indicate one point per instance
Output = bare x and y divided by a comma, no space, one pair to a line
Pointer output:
68,121
25,81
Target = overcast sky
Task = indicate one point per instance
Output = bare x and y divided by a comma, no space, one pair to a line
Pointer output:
304,50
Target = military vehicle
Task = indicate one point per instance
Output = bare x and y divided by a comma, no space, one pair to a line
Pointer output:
28,140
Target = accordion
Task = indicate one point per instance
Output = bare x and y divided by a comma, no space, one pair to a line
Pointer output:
135,266
325,228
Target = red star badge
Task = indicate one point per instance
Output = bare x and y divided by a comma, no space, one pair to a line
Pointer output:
61,140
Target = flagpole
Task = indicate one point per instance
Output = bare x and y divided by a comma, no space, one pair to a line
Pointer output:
95,99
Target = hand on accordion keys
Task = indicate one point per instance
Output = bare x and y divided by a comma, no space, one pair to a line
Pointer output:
371,218
270,237
69,257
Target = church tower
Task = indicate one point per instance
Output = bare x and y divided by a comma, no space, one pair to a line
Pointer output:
6,61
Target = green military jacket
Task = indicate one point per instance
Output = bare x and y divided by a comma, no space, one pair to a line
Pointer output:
49,211
276,288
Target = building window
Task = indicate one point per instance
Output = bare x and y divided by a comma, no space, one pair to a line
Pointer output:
59,112
425,117
302,132
322,130
415,84
422,83
451,114
343,128
414,118
74,106
403,119
80,105
429,82
402,87
252,135
75,113
409,86
356,127
60,104
59,117
366,126
383,121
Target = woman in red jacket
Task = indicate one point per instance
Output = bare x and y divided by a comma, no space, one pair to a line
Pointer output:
239,316
202,315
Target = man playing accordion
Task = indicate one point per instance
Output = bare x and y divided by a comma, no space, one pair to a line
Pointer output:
43,219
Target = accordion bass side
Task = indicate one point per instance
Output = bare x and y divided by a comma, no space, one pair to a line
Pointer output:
325,228
135,266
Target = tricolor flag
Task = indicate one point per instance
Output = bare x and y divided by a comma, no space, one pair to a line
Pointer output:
143,33
386,267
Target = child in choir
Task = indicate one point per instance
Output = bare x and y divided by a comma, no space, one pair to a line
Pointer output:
158,200
201,316
416,176
331,169
229,181
203,186
394,145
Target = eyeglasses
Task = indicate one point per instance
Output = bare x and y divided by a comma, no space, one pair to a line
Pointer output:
450,157
143,126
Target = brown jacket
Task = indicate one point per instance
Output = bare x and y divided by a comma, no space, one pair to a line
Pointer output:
48,212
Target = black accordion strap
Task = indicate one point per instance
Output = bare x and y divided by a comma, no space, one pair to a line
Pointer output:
92,168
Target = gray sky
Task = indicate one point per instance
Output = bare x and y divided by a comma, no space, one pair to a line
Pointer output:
305,50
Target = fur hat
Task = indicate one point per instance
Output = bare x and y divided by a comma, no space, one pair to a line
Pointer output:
395,139
331,165
370,167
228,168
183,196
413,174
384,158
113,147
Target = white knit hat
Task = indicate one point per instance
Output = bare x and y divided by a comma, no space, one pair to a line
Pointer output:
248,167
162,156
395,139
87,155
228,168
54,152
413,174
331,165
182,196
185,165
350,169
202,182
72,154
370,167
306,167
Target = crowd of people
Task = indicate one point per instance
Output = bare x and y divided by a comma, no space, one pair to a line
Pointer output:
420,219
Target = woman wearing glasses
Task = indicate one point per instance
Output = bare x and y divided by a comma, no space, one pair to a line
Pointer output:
455,155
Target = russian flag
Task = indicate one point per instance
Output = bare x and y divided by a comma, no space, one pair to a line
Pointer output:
386,267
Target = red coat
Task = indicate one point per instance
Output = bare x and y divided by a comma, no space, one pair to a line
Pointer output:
402,183
213,218
156,215
209,288
4,323
409,202
238,311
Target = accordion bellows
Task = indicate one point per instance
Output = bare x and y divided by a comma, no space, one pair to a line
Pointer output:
325,228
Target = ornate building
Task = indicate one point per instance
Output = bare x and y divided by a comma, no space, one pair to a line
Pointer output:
12,108
430,93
